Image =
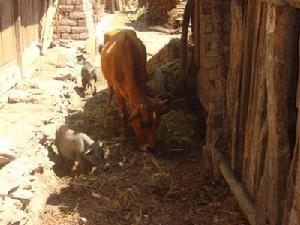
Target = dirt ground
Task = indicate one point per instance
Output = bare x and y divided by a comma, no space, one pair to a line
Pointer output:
165,188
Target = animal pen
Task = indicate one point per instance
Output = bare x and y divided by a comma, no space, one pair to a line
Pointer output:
248,55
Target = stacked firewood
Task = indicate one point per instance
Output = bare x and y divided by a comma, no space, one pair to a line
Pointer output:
176,15
158,10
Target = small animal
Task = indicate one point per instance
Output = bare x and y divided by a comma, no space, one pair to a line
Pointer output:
73,146
123,63
89,77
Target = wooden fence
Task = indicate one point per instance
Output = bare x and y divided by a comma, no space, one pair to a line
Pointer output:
20,28
25,31
248,55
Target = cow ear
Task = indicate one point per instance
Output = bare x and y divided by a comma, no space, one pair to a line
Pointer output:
135,113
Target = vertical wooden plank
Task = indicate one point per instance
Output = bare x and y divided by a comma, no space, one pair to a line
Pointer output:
18,32
32,22
1,48
47,26
292,210
36,20
256,123
280,50
44,7
29,23
8,39
22,29
28,27
234,76
23,24
244,86
1,43
196,33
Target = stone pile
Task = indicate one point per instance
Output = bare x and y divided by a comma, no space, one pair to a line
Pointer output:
35,108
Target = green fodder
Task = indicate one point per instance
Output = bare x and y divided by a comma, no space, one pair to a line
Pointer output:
179,131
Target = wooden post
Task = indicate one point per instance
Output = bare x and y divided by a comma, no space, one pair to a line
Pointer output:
47,26
113,6
184,37
18,34
246,205
57,22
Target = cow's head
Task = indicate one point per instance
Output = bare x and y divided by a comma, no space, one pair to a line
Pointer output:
144,119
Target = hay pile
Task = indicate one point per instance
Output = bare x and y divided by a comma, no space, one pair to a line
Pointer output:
164,81
169,52
178,131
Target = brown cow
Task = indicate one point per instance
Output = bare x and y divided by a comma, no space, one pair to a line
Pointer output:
123,61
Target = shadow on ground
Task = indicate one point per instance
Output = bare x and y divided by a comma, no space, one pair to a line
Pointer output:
170,188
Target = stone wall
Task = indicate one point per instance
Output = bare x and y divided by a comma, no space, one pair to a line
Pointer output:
75,19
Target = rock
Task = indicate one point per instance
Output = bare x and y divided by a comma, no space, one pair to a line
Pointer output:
82,221
15,173
64,44
9,202
26,186
13,216
61,61
23,195
4,160
69,77
6,153
17,96
52,44
39,169
11,212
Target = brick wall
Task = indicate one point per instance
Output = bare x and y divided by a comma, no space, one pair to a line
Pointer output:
75,19
212,30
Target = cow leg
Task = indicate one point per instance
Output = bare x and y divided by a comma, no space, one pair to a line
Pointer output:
124,114
110,94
